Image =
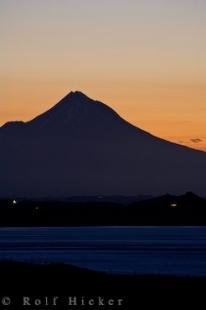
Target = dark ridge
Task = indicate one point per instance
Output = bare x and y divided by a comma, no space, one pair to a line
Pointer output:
188,209
13,124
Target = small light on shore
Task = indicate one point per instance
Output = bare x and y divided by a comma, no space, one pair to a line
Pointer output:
173,205
14,202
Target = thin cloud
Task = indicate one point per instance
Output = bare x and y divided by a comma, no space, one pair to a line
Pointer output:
196,140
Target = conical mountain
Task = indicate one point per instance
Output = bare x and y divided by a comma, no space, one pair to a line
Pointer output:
83,147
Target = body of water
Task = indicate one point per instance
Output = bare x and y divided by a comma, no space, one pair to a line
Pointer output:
130,250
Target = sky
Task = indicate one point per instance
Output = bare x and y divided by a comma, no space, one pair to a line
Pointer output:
146,59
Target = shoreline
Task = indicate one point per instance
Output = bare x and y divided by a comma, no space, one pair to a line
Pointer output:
19,278
40,280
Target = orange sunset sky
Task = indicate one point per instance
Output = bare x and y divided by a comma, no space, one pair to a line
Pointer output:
146,59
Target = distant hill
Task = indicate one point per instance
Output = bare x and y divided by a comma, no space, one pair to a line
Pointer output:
81,147
188,209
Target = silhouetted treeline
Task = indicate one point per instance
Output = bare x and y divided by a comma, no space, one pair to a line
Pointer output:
188,209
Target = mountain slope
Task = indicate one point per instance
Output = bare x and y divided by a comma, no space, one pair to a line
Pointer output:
83,147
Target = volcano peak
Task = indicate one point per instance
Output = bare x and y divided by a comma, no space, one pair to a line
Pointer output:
76,95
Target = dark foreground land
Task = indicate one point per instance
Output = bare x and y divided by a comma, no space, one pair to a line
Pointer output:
188,209
27,283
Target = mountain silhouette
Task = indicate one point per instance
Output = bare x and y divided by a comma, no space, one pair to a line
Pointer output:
83,147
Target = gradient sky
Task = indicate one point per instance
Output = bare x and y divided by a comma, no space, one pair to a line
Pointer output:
144,58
